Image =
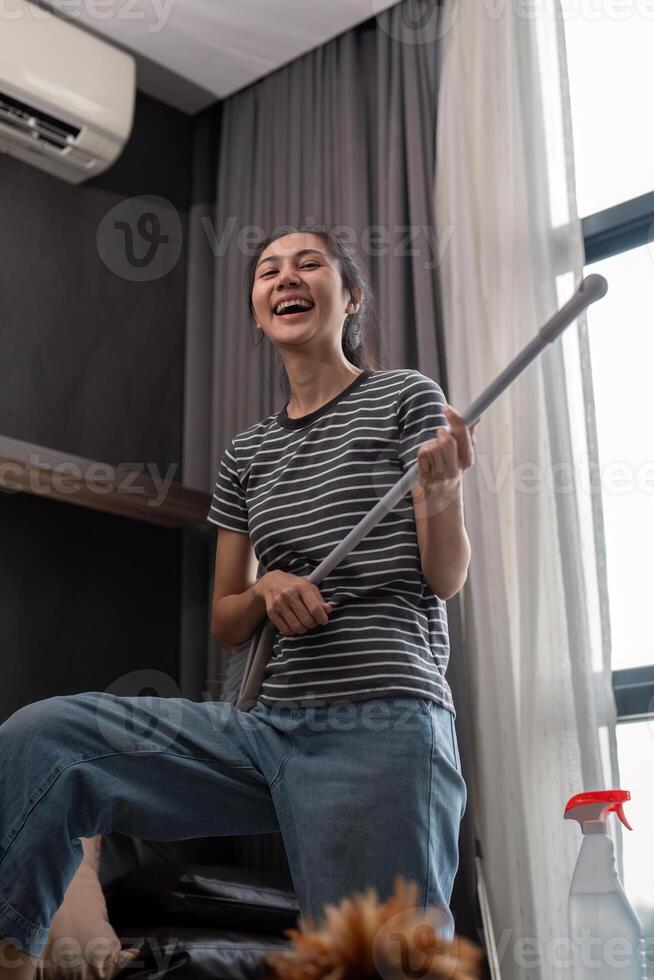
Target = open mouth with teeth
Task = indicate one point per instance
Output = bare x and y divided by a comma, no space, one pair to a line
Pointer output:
294,309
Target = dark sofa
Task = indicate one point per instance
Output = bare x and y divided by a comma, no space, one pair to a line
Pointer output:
197,912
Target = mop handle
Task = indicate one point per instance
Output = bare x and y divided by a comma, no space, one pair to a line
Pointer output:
592,288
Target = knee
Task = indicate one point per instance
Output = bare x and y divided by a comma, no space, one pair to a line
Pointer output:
45,719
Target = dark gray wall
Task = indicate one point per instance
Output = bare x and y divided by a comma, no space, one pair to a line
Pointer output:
92,364
198,678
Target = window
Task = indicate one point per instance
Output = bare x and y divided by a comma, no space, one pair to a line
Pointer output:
621,340
635,745
611,72
611,75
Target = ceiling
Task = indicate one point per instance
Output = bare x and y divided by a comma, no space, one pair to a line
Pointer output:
191,53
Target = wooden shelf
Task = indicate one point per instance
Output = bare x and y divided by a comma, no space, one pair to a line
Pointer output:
68,479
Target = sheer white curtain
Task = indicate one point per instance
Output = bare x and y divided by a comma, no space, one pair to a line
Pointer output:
541,723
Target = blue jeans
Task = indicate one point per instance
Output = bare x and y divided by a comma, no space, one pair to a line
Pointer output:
361,791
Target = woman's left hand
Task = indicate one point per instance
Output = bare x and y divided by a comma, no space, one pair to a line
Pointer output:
442,461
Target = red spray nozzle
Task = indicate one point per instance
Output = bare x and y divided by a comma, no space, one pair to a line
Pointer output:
596,806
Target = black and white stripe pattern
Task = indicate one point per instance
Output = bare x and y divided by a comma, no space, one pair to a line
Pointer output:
297,486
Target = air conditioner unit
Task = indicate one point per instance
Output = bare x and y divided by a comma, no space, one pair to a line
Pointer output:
66,97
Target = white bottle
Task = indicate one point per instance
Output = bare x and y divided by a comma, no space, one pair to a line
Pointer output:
606,935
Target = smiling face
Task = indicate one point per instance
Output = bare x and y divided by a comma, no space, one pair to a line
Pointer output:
299,267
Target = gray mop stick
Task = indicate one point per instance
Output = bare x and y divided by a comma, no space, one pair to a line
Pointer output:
591,288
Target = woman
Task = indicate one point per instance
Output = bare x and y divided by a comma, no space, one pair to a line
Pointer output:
359,803
351,750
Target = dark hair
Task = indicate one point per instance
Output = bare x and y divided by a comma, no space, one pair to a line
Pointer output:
360,338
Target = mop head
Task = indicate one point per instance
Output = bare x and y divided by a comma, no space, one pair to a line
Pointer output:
363,940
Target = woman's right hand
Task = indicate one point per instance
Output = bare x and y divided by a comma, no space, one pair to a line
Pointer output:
293,603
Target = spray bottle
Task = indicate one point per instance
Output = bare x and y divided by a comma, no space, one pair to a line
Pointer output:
605,932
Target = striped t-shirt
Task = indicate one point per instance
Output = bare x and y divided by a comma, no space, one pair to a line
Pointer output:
297,487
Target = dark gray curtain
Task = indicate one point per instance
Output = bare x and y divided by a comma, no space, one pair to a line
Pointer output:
196,553
344,136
